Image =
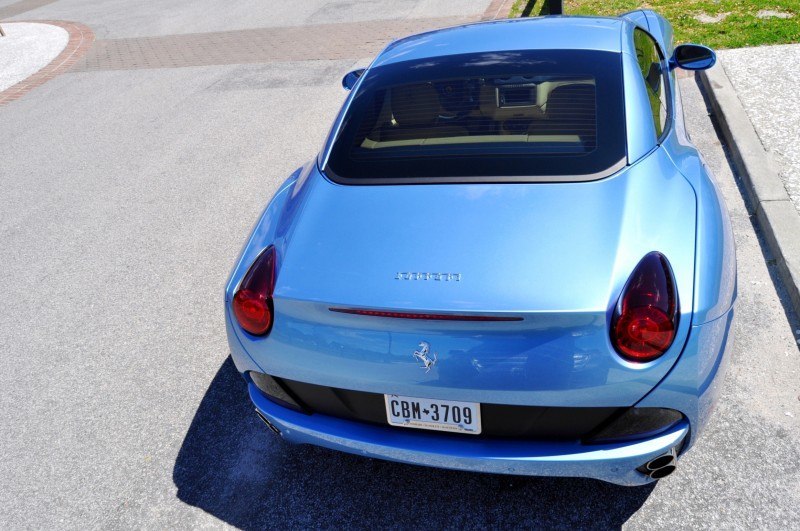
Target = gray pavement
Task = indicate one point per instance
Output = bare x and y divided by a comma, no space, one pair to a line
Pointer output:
125,197
114,19
766,80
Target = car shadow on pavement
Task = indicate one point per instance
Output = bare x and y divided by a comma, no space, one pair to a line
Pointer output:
231,466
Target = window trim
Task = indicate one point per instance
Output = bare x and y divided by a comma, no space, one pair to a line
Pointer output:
335,178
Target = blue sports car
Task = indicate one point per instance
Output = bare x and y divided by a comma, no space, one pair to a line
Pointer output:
507,257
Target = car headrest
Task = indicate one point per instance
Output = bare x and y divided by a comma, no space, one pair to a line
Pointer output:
415,105
576,101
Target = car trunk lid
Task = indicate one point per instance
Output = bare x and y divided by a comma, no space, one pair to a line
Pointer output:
550,259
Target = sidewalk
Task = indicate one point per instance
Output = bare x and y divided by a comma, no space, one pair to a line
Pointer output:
756,108
766,80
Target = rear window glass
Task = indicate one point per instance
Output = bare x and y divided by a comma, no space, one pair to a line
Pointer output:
517,116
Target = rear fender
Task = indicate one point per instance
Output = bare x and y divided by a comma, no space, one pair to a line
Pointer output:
715,281
695,382
273,226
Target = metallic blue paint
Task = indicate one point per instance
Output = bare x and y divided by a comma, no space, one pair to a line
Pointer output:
693,385
661,29
596,229
555,254
638,17
557,33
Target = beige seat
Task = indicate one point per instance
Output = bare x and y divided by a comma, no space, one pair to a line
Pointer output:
415,114
569,110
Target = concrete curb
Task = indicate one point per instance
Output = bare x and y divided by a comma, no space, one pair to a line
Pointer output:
768,198
80,40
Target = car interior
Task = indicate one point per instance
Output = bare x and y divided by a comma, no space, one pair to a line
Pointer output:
550,114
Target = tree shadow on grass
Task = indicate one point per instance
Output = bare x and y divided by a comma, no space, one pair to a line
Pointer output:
537,8
233,467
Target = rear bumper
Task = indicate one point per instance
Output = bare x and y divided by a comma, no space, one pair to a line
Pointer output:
692,388
615,463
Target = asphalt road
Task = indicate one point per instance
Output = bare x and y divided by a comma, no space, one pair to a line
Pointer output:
125,196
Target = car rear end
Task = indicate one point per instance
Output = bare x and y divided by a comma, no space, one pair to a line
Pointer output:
519,331
474,277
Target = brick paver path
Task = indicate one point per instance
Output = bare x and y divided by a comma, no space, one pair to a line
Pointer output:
262,45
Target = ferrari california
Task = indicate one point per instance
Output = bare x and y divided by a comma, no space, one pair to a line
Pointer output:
507,257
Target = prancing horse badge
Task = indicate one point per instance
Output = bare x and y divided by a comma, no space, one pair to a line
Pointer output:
423,355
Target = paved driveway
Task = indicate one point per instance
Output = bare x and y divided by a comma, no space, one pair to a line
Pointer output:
125,194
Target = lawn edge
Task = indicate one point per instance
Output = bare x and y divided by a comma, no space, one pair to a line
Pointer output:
767,196
498,10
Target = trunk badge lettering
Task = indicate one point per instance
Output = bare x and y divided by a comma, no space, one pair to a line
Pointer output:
428,276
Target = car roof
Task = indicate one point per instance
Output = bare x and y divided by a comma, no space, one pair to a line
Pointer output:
539,33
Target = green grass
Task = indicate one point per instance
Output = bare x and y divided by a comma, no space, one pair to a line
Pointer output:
740,28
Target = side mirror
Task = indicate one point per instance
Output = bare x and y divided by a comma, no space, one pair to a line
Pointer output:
692,57
349,80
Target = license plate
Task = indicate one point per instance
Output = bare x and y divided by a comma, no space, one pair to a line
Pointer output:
429,414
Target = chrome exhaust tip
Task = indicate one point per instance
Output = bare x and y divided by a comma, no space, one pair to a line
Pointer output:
661,466
660,462
663,472
270,425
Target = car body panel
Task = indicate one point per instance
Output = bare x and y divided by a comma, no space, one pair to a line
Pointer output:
565,319
566,247
638,17
715,259
559,33
694,384
661,30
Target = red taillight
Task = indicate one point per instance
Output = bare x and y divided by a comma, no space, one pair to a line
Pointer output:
646,316
252,303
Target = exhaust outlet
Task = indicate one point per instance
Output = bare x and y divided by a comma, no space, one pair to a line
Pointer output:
663,472
660,462
661,466
268,423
